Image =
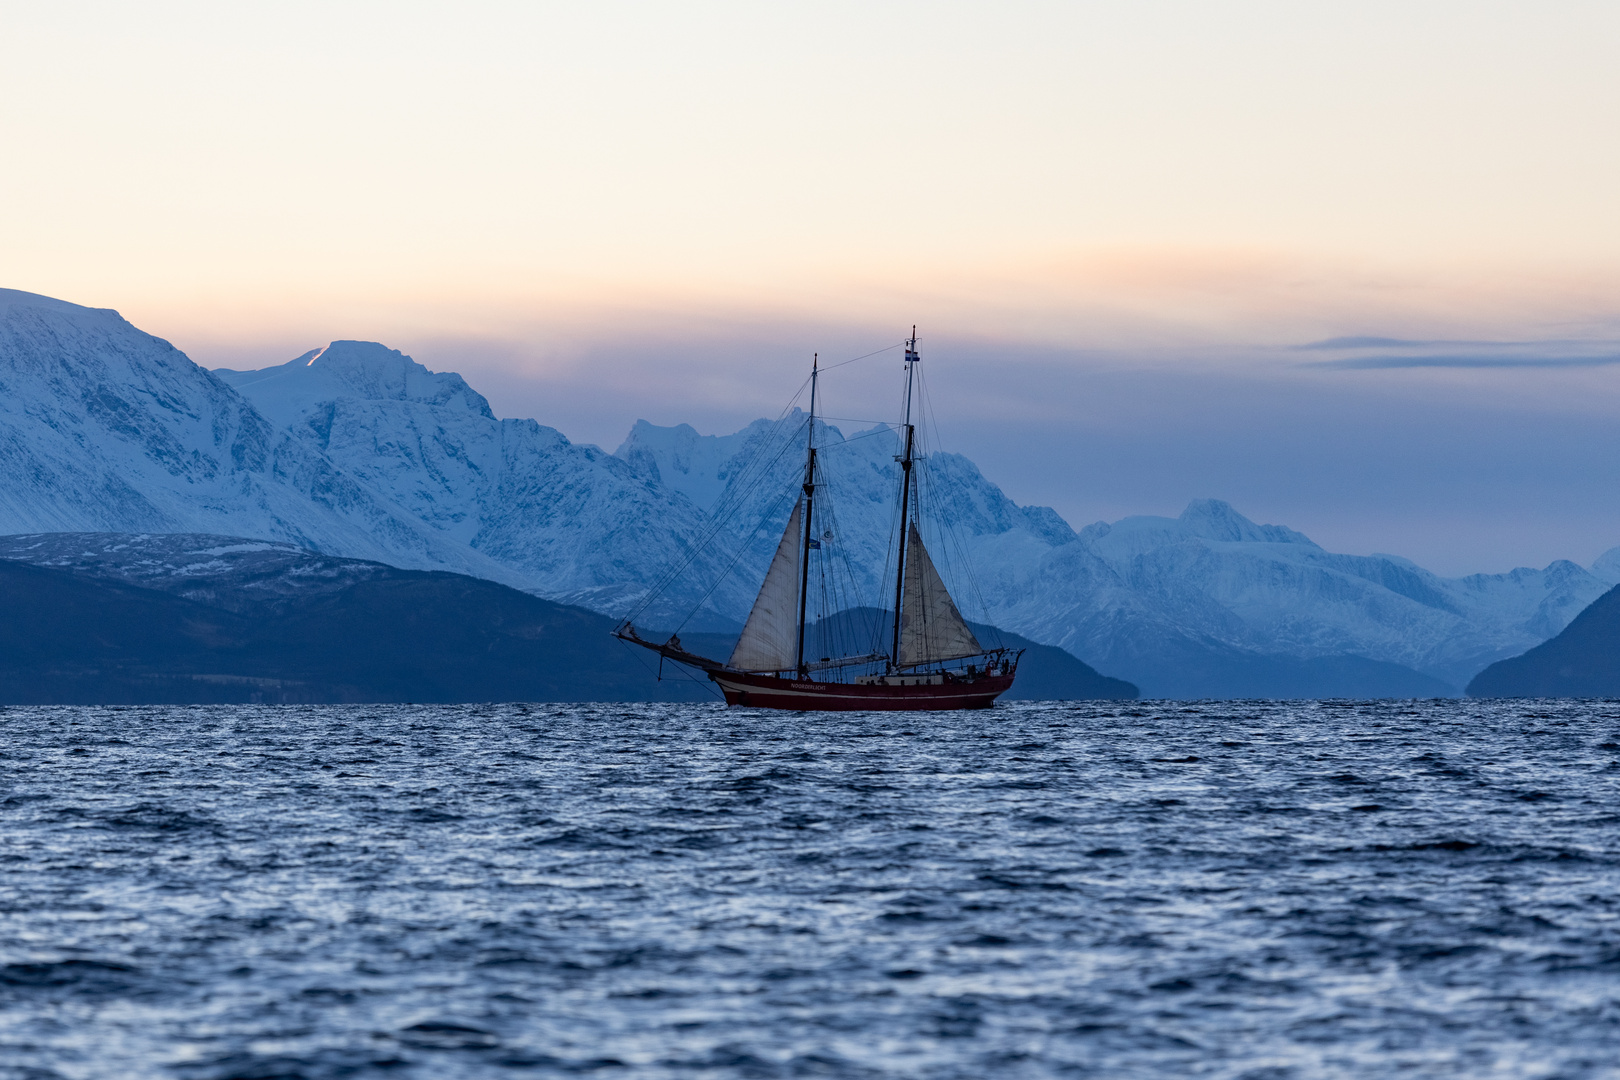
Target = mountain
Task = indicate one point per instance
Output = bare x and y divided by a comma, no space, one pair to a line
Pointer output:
575,524
1581,661
1209,604
359,452
106,428
120,619
1159,600
747,484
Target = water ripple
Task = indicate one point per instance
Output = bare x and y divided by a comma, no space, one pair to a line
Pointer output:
1230,890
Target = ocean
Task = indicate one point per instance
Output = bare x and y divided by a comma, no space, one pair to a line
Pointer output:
1234,889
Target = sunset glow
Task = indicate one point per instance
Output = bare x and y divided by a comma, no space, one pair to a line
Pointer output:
1210,162
522,192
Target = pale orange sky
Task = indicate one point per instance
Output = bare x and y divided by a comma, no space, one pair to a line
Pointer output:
1074,172
608,211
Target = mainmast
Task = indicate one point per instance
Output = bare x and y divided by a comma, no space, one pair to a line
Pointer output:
809,504
905,497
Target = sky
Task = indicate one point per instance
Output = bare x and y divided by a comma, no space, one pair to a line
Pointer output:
1123,229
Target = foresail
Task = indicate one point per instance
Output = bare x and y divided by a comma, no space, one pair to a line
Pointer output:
931,629
770,638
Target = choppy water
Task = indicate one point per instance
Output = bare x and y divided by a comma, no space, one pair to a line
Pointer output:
1230,890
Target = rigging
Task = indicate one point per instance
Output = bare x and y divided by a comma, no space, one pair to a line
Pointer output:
933,659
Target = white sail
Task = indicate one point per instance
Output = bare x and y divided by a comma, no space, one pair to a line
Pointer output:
931,629
770,638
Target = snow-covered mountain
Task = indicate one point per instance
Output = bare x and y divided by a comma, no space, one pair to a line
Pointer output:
1161,601
1142,588
356,450
104,427
577,525
747,483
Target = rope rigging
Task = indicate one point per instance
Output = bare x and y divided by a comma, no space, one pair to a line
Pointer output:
838,626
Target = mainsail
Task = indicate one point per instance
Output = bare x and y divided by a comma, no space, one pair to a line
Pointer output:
770,638
931,629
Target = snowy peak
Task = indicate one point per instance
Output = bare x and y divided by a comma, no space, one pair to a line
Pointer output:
860,466
16,298
106,428
573,522
86,351
1212,519
1209,520
100,422
424,440
1607,566
353,370
680,458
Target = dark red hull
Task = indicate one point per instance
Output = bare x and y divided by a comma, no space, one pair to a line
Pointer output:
770,692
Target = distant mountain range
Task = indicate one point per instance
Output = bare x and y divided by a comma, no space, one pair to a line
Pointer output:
357,451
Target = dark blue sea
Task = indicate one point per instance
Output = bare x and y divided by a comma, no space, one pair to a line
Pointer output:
1257,890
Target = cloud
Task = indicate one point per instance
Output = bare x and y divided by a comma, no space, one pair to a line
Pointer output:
1362,343
1364,353
1436,360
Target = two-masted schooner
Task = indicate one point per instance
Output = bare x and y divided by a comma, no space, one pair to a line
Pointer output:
931,658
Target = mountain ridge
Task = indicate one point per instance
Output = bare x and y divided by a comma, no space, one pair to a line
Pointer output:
357,450
105,427
557,514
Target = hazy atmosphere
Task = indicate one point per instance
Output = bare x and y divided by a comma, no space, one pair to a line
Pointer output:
1118,227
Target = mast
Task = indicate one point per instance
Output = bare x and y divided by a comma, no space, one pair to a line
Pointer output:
905,498
809,504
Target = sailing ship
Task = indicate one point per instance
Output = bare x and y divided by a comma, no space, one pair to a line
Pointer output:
931,658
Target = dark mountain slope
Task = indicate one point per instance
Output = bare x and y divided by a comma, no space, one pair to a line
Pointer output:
397,635
1582,661
123,618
